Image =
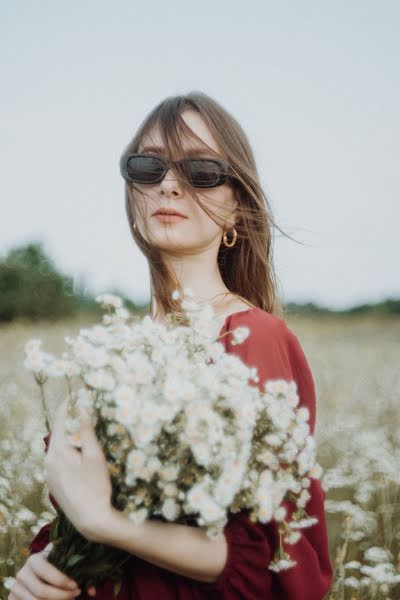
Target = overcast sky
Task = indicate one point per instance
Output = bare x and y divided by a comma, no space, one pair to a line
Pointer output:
315,85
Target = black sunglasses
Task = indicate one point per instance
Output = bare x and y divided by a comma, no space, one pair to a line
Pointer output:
199,172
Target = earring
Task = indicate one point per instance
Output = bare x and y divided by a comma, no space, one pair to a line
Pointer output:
233,242
134,225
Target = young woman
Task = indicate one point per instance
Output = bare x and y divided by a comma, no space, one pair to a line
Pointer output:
197,212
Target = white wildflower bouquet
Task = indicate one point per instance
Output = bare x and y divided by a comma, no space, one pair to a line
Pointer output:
187,435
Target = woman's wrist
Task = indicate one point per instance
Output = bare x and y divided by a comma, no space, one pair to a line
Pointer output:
105,530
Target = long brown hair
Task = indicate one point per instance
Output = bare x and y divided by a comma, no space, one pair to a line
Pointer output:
246,268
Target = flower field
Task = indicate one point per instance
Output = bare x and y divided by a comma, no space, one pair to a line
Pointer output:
354,361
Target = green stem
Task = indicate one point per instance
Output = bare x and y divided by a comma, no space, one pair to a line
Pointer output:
41,385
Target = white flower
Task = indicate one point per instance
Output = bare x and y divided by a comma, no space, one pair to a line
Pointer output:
280,513
145,434
170,509
85,398
277,386
33,344
273,439
35,359
96,358
139,516
57,368
304,498
98,335
141,366
293,537
118,364
149,413
302,523
109,300
239,335
202,453
171,489
25,515
8,582
126,400
316,471
303,413
352,582
353,564
210,510
264,500
100,380
216,350
282,565
122,313
136,459
377,554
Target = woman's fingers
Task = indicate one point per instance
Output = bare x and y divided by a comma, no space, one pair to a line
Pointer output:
20,592
91,590
40,566
34,587
39,579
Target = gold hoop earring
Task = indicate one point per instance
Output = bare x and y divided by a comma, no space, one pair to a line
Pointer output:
233,242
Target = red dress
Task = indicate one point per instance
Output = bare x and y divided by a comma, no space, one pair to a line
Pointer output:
275,350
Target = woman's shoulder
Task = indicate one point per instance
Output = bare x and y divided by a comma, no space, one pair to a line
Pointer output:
260,323
274,349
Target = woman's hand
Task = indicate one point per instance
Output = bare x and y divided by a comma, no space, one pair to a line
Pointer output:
40,579
79,480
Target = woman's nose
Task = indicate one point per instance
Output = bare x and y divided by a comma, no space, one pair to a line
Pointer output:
170,181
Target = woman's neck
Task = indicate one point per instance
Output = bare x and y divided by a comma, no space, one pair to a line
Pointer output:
200,273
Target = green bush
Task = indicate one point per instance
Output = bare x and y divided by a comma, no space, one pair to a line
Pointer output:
31,287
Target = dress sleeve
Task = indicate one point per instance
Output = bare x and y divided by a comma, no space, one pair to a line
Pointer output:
276,352
41,539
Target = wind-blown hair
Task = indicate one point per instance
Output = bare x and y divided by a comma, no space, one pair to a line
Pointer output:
247,267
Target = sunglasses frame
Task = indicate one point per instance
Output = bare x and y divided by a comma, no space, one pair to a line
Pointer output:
223,165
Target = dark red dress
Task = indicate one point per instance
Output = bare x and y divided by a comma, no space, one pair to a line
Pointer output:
275,350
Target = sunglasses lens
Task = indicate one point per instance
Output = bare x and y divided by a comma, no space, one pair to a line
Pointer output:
200,173
144,169
204,173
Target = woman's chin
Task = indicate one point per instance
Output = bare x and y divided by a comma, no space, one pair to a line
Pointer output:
169,240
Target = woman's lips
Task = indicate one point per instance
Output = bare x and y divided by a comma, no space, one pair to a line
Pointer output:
169,218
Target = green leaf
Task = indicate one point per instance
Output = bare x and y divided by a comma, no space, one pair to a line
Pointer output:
74,559
117,587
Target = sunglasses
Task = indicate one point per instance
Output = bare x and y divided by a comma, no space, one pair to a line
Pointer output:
199,172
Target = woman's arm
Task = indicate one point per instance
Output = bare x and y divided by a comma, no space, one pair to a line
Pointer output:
183,549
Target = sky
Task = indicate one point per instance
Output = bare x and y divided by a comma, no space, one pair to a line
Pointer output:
314,84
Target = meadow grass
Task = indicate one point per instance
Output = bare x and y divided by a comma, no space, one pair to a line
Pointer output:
355,364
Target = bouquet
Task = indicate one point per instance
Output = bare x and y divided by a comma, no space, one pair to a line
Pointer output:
187,435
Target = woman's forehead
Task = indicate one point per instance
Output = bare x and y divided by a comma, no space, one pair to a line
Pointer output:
152,141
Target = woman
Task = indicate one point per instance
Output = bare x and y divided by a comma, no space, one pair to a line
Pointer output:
203,225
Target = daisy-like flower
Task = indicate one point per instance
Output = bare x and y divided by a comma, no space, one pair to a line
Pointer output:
109,300
170,509
240,334
282,565
303,523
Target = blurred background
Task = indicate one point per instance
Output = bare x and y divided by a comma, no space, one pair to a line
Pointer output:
316,87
